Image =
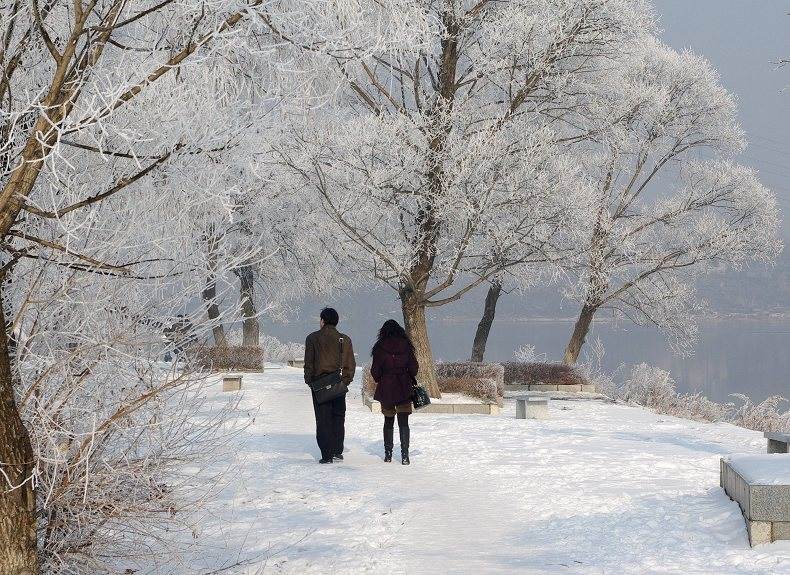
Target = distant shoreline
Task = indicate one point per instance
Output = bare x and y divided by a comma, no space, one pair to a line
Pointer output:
608,320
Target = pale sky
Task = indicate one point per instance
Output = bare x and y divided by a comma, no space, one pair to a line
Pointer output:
744,39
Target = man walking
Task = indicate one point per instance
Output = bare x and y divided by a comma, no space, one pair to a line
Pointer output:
322,355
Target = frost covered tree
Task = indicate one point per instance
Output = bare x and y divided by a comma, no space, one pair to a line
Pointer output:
288,253
670,203
110,113
441,155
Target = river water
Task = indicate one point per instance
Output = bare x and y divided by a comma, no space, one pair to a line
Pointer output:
746,356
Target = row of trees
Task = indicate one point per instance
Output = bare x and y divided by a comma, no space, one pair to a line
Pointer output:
128,184
199,162
506,143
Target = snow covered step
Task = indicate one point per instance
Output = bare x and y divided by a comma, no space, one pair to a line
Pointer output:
760,484
777,442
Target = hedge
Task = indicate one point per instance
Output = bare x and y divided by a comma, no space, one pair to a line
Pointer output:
527,373
230,358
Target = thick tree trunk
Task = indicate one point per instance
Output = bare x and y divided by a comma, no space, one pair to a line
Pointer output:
417,329
250,325
484,327
210,296
18,552
580,331
212,310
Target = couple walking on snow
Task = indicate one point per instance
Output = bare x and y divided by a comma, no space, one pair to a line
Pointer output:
394,368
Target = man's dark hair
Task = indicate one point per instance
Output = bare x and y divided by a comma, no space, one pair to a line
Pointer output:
329,315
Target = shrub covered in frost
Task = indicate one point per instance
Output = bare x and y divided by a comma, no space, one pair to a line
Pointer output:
230,358
655,388
368,383
526,373
765,416
276,351
484,389
483,380
649,386
528,354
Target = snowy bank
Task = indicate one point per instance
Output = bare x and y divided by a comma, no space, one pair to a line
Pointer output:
599,488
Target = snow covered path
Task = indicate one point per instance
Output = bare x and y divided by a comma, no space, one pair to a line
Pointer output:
598,489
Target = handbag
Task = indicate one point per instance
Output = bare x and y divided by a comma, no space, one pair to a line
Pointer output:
419,397
330,386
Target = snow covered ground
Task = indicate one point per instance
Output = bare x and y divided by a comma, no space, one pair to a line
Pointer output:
597,489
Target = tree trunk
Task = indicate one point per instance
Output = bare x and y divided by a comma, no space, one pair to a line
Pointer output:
580,331
417,329
212,309
18,552
250,325
210,296
484,327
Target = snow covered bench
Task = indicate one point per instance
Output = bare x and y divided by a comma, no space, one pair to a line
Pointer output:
777,442
231,382
760,484
532,407
296,362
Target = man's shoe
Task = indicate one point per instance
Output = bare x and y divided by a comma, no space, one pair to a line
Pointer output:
404,458
387,455
326,460
338,457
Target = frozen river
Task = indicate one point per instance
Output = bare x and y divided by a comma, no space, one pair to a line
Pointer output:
732,356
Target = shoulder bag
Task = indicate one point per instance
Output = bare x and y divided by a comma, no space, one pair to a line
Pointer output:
419,396
330,386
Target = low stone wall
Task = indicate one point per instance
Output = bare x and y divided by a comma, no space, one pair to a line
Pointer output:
483,380
448,408
583,388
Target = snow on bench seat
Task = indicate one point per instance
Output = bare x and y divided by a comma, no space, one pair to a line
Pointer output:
760,484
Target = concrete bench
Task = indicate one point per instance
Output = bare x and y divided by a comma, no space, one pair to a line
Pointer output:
532,407
777,441
231,383
760,484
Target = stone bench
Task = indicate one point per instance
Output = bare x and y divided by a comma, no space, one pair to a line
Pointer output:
532,407
777,441
760,484
231,382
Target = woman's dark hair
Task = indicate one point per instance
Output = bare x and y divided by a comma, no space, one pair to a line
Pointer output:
391,329
329,315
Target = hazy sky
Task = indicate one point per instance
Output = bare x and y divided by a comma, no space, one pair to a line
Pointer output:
744,39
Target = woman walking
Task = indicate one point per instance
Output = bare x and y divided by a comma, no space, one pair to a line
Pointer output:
394,369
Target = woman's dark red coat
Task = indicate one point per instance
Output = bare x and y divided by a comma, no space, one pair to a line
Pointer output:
394,369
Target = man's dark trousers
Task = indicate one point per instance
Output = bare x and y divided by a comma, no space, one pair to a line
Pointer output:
330,426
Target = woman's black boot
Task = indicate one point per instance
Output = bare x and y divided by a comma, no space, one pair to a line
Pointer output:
404,443
388,439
